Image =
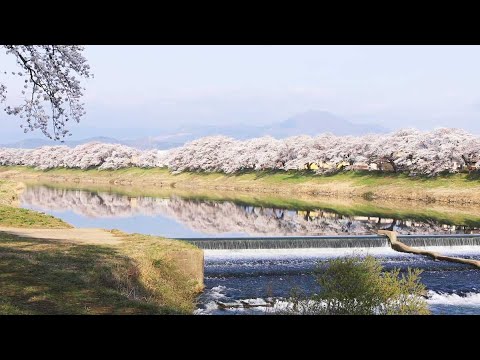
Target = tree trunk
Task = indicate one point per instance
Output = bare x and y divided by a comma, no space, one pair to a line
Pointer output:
307,215
392,225
394,166
401,247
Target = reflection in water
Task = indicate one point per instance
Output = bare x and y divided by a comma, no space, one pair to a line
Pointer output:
213,217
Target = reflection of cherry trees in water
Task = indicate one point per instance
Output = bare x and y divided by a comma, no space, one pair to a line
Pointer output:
212,217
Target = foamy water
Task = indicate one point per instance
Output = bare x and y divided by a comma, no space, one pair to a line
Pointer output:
310,253
266,276
438,303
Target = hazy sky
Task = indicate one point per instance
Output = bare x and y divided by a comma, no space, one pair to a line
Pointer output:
150,90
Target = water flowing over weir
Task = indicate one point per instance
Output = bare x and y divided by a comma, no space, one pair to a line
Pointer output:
350,242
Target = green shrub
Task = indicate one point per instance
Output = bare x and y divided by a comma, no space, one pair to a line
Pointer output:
358,286
369,195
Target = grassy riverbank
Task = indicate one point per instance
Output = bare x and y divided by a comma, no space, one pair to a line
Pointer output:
143,275
10,215
139,275
451,189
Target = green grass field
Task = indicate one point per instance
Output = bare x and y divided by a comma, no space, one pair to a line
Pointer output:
16,217
357,178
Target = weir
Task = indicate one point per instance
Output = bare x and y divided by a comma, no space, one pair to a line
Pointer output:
361,241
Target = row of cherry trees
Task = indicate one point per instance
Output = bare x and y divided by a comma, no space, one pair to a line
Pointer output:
410,151
92,155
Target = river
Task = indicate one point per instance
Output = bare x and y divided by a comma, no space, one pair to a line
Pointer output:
260,250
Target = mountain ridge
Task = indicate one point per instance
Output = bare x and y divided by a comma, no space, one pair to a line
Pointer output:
312,122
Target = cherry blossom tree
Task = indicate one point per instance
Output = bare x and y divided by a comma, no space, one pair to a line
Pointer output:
152,158
439,151
205,154
261,153
298,152
52,89
394,149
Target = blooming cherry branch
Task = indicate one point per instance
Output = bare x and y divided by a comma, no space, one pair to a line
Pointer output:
52,88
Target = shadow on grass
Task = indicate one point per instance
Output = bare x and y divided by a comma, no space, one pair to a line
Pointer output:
473,176
376,174
301,174
48,277
287,174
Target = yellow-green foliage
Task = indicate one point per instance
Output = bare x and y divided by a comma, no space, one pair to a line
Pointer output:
8,192
357,286
169,270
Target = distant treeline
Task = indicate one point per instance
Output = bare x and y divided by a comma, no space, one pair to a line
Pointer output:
409,151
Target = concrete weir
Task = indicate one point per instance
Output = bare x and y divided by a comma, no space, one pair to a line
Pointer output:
362,241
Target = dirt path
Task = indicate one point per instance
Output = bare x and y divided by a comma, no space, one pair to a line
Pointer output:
83,236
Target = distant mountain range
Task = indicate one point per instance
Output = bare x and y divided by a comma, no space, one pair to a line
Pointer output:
317,122
307,123
34,143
